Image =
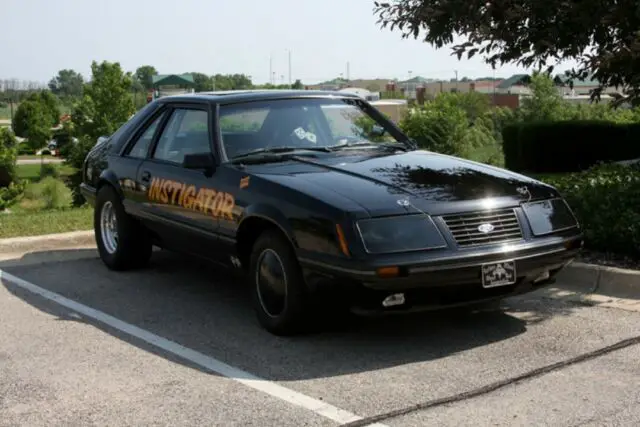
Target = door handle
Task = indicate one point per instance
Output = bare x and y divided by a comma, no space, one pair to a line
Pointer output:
146,176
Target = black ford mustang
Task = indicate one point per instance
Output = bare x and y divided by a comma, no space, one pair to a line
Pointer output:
324,203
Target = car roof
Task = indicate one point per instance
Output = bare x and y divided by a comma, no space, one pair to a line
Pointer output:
257,95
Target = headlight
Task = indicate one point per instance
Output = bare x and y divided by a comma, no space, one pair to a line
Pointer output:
398,234
549,216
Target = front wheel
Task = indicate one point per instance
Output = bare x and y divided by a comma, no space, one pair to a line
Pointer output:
277,286
122,242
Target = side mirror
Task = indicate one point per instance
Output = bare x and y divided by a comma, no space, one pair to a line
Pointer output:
204,161
377,130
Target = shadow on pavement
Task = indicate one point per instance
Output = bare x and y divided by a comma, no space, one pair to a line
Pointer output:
203,308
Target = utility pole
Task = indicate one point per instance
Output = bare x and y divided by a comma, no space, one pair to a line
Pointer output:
348,73
290,85
271,69
456,71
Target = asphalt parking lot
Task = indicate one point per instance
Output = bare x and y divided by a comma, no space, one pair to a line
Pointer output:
177,344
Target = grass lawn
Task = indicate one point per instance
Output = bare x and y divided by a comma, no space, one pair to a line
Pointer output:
25,218
32,224
32,172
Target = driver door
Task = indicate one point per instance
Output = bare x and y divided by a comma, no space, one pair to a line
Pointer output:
181,201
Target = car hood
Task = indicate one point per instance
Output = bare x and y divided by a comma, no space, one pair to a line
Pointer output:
387,184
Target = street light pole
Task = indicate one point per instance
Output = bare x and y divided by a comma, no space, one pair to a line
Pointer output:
271,69
290,85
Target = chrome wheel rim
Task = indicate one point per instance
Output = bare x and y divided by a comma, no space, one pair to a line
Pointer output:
271,283
109,227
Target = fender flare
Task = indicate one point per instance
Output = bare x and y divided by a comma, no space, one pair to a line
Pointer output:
272,214
108,176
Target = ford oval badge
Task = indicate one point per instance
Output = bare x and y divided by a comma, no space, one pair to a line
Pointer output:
486,228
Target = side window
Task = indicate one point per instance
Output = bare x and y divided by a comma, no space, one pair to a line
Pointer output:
141,146
187,132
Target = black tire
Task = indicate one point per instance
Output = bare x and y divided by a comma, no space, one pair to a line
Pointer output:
133,248
293,315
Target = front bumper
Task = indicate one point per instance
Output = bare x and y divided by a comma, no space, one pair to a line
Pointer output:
440,281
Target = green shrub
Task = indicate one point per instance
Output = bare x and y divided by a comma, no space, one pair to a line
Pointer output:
49,193
48,169
25,150
7,139
10,195
568,146
443,126
605,199
8,155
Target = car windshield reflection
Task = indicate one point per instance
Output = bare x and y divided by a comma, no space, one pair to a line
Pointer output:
312,124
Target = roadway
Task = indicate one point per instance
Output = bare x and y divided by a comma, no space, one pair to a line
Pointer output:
177,344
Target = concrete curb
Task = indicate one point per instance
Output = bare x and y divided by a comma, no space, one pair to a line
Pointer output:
47,242
600,280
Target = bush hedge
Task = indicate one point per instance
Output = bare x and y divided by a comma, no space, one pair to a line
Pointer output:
605,198
8,155
568,146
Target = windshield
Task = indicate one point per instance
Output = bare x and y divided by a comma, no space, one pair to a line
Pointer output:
315,124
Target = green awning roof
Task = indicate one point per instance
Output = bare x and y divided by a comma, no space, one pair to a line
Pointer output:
173,79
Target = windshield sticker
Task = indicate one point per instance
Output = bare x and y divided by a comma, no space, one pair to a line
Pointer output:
303,134
205,200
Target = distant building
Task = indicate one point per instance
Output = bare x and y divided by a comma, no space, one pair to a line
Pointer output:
410,87
520,84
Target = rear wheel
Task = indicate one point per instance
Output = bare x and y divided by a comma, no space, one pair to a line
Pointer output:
122,242
278,291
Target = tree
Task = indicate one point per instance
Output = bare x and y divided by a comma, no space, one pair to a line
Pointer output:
202,82
545,102
9,188
107,102
231,81
67,84
601,36
33,121
144,75
106,105
297,85
50,104
7,139
7,157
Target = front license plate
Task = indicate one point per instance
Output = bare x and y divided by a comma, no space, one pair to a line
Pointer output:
498,274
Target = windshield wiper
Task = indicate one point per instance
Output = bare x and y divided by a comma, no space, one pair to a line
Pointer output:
369,143
278,150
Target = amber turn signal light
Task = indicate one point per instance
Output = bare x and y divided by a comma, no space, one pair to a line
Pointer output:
342,240
385,272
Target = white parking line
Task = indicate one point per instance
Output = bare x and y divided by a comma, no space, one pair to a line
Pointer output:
271,388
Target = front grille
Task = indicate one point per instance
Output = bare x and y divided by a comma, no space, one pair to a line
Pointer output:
464,227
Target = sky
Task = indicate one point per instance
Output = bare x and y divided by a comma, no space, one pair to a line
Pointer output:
219,36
